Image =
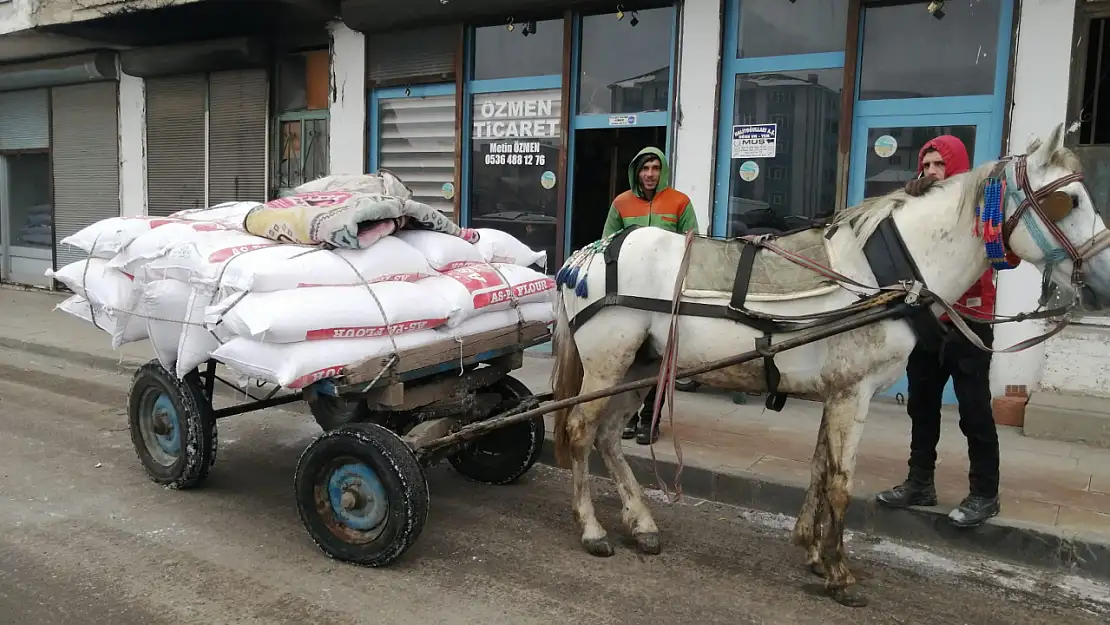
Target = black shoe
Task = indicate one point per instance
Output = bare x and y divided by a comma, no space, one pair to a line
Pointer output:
909,493
645,435
974,511
630,428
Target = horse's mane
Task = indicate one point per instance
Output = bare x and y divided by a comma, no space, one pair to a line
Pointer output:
865,217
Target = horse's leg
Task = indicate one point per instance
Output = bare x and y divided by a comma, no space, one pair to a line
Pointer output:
635,514
846,413
583,423
813,519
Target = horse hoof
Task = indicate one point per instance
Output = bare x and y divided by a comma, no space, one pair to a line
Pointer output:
599,547
816,569
649,543
847,598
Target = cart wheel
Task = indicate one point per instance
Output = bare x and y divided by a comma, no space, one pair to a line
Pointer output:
361,494
504,455
686,385
332,412
172,426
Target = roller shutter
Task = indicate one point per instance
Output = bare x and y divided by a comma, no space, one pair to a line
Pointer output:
24,120
237,136
427,53
175,143
85,156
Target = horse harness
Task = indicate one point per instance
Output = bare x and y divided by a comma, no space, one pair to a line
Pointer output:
890,262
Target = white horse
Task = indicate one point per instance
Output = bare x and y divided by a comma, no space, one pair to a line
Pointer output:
619,344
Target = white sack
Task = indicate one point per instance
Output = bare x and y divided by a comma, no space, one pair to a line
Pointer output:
197,341
443,251
154,243
163,304
79,307
485,288
501,247
113,234
229,214
296,365
228,256
95,280
328,312
486,322
389,259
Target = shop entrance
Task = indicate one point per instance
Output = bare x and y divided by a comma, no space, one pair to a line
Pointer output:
601,158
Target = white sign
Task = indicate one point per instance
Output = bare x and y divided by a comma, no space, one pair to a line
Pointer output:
622,120
523,115
516,153
754,140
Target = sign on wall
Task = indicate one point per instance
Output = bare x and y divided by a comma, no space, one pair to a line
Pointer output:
754,140
517,115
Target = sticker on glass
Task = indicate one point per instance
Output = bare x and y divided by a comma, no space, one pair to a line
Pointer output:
448,190
886,146
749,170
547,180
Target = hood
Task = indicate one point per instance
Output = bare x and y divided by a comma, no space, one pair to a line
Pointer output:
952,150
634,166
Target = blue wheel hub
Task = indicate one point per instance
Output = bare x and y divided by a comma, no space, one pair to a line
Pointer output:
357,497
161,428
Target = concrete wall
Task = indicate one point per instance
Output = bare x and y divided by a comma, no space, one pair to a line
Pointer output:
16,15
1041,81
696,133
347,107
132,146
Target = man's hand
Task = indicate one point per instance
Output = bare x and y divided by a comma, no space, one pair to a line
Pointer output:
918,187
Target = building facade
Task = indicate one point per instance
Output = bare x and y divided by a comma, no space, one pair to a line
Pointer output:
523,116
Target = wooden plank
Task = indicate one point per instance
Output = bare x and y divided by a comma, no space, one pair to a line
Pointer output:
447,350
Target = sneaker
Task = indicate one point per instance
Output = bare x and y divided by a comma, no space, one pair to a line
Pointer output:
909,493
974,511
645,435
630,427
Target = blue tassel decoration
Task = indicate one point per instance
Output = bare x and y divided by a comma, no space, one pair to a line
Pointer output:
581,290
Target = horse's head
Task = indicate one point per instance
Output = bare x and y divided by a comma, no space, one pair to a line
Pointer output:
1051,222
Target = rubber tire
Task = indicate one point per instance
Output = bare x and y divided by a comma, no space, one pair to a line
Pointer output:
199,443
400,474
687,386
526,444
333,412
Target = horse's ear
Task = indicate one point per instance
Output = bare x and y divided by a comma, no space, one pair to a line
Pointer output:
1040,154
1033,145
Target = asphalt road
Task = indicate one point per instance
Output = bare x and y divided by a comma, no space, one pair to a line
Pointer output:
86,538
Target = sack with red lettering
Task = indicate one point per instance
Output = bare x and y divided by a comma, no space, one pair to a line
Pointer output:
329,312
155,242
478,289
219,256
110,236
296,365
443,251
501,247
536,312
388,259
228,214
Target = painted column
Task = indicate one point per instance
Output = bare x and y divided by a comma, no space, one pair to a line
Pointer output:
132,145
1041,85
347,106
699,62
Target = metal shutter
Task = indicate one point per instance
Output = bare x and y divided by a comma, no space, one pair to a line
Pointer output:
237,103
85,155
24,120
416,53
175,111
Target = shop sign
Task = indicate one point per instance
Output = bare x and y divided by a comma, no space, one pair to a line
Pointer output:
515,118
622,120
525,153
754,140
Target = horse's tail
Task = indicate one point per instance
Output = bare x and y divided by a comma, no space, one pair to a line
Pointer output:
566,377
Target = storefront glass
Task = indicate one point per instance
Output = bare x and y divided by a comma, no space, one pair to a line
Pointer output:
625,68
778,28
515,142
416,141
519,53
800,178
30,214
909,52
890,171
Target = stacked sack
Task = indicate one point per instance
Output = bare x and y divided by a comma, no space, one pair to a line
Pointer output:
200,287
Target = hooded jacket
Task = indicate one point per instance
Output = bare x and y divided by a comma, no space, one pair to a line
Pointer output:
668,208
979,299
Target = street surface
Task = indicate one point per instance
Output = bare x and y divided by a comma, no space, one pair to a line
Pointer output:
86,538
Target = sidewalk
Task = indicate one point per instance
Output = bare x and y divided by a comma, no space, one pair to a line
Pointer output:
1055,495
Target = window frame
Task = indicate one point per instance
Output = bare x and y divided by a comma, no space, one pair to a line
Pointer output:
278,119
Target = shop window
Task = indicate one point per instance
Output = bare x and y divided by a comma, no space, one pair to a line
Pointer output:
910,52
303,82
1092,101
781,28
515,141
529,49
625,64
416,141
30,210
765,178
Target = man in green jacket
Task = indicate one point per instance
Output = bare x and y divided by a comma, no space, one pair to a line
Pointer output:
650,202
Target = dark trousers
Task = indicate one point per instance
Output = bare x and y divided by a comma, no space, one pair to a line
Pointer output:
648,407
930,367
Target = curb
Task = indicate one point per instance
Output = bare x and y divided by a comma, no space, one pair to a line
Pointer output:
1008,540
115,365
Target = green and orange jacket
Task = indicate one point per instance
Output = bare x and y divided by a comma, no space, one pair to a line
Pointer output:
668,209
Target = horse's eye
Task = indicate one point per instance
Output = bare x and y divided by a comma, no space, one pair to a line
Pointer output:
1075,201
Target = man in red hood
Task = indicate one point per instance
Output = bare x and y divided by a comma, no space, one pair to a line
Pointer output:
930,367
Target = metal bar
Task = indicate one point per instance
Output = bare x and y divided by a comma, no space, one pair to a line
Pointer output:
1098,80
210,380
852,45
261,404
568,94
514,416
